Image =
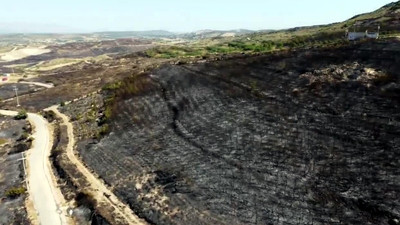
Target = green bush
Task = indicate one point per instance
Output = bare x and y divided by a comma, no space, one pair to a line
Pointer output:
21,115
49,115
103,131
111,86
15,192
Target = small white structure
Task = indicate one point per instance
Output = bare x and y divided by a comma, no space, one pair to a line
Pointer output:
373,35
352,36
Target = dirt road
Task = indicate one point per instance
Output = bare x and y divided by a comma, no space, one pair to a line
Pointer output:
99,190
46,197
38,84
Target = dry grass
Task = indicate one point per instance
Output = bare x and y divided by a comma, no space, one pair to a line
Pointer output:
3,141
16,54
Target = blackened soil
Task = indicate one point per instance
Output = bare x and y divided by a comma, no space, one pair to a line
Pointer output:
296,138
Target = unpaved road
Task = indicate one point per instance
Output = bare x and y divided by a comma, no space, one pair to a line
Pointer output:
98,188
38,84
46,197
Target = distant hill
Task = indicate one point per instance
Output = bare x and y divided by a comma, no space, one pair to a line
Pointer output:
387,17
203,34
137,34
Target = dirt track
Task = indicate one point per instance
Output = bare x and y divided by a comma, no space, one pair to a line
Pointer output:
98,189
44,193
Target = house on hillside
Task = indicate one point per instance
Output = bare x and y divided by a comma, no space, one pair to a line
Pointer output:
352,36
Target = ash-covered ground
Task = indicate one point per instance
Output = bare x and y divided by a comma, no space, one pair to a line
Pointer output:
12,135
7,90
307,137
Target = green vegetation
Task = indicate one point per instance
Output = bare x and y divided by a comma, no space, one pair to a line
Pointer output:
168,52
21,115
326,36
49,115
3,141
112,86
259,44
130,86
15,192
103,130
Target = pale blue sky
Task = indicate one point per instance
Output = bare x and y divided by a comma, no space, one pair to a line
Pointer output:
174,15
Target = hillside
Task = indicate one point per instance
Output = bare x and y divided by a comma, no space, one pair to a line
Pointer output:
275,139
331,35
296,126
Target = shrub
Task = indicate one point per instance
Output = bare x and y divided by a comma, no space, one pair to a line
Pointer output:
103,131
111,86
49,115
21,115
15,192
24,136
62,103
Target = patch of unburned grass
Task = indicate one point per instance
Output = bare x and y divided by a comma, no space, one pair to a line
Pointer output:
3,141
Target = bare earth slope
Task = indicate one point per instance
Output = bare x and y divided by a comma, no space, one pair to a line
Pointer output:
308,137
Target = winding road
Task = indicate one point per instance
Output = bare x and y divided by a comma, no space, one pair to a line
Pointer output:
47,198
44,193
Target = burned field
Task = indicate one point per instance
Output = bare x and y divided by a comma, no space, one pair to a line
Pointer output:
307,137
77,81
13,135
7,90
82,50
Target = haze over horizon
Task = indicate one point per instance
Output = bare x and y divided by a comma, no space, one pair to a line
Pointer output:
73,16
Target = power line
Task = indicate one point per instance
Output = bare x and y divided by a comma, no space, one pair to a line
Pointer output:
16,94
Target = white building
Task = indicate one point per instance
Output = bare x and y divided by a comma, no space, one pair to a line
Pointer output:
373,35
352,36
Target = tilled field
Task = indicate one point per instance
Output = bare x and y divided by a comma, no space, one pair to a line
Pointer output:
308,137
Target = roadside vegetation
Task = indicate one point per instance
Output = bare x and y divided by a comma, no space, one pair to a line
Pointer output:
21,115
15,192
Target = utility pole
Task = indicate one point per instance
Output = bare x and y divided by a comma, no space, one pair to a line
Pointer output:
16,95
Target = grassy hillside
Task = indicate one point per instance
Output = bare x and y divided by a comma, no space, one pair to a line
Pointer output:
331,35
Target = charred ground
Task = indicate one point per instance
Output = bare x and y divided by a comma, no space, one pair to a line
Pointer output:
13,140
309,137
